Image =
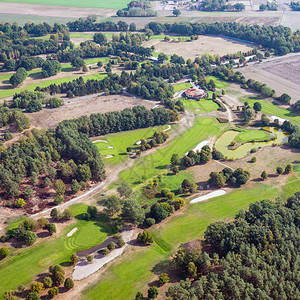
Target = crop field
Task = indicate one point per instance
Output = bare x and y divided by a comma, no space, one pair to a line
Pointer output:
204,44
14,271
149,166
112,4
136,270
117,143
281,74
86,105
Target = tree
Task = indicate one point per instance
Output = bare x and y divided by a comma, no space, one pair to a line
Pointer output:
248,114
56,214
279,170
92,211
176,12
28,193
10,295
253,160
47,282
36,287
75,186
59,187
112,205
4,252
67,214
51,68
175,170
124,189
192,270
89,258
264,175
288,168
58,278
74,259
175,160
153,292
285,98
100,38
85,69
7,135
217,179
51,228
162,57
99,63
257,106
77,62
30,238
145,237
84,173
133,212
163,278
69,284
53,292
263,7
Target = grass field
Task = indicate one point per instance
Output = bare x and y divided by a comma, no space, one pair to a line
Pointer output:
252,135
113,4
124,279
181,86
152,165
162,36
202,106
272,109
121,140
56,249
220,84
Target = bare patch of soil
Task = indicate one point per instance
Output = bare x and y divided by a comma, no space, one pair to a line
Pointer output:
74,109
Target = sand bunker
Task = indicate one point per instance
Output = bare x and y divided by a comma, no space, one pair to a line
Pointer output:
209,196
138,143
199,146
100,141
279,119
109,156
169,127
110,147
72,231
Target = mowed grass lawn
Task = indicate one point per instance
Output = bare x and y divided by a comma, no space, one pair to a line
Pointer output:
121,141
252,135
152,165
113,4
220,84
181,86
272,109
134,272
53,250
201,106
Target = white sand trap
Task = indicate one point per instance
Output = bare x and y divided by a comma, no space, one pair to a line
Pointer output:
109,156
110,147
209,196
83,269
100,141
279,119
138,143
72,231
169,127
199,146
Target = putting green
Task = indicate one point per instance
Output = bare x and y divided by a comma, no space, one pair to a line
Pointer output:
227,137
253,135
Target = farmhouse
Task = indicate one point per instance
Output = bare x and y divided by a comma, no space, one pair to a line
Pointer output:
195,93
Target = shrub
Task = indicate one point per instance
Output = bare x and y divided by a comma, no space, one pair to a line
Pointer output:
33,296
178,203
51,228
29,238
111,246
55,269
253,160
120,242
69,284
48,282
74,259
19,203
279,170
149,222
4,252
105,251
153,292
145,237
92,211
68,214
288,168
36,286
53,292
139,296
58,200
58,278
89,258
163,278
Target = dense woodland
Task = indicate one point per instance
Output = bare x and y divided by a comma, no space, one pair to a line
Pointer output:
253,257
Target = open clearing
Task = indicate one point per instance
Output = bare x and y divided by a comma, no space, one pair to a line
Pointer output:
76,109
204,44
281,74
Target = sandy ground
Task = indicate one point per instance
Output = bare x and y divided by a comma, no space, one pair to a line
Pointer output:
205,44
53,11
84,269
75,109
283,75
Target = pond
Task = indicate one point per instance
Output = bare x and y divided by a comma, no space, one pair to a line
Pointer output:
227,137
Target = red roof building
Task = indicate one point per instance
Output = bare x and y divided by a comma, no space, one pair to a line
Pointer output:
195,93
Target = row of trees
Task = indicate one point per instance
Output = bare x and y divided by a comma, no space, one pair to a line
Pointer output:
252,257
227,175
220,5
18,78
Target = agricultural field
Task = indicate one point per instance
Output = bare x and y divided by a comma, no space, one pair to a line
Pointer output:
86,105
281,74
204,44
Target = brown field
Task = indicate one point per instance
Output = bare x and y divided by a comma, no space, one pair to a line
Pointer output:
205,44
53,11
282,74
86,106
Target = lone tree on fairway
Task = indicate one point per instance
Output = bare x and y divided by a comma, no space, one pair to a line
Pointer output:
153,292
3,252
257,106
